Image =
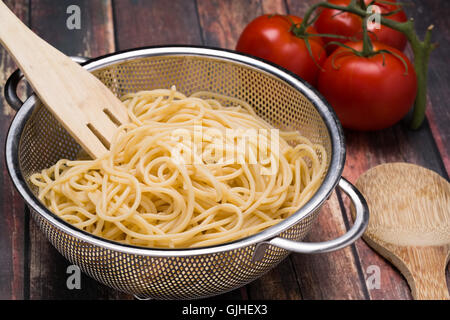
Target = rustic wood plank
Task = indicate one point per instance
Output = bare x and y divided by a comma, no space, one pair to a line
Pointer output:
437,13
371,149
335,275
141,23
300,275
274,6
280,283
48,269
318,276
221,23
365,150
427,147
427,13
13,228
144,23
96,36
397,144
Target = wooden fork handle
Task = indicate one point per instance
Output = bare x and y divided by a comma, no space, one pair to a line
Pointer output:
76,98
22,44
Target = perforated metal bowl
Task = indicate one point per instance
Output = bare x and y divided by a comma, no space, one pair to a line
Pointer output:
36,141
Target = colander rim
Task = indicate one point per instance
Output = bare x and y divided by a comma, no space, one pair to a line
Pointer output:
326,112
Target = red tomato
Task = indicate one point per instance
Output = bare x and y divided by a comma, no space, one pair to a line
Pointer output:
269,37
367,93
350,25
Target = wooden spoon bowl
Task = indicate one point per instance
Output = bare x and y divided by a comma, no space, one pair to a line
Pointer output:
410,223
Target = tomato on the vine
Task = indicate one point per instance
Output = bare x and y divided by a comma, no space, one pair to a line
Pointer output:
270,37
346,24
368,93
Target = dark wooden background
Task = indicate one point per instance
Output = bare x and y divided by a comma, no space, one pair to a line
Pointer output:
30,268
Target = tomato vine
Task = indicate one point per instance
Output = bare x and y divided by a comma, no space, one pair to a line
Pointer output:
421,48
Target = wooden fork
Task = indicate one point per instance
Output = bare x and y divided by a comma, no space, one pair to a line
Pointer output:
86,108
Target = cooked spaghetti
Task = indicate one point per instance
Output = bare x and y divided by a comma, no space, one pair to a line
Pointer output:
186,172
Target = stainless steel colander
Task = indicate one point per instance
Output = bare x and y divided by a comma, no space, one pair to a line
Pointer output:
36,141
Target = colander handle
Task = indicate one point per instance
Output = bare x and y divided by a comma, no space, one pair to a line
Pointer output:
13,82
359,226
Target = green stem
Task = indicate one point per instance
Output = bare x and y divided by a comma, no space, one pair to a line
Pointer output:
421,49
367,43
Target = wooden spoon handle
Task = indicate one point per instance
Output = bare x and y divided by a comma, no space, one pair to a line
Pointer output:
426,275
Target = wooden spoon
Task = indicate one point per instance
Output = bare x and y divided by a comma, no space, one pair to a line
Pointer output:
87,109
410,224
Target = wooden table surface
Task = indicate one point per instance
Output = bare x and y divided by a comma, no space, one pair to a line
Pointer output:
30,268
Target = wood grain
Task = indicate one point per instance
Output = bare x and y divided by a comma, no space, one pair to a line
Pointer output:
31,268
221,23
335,275
410,223
436,12
343,269
365,150
141,23
279,283
13,228
318,276
96,36
156,20
424,269
78,100
48,18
